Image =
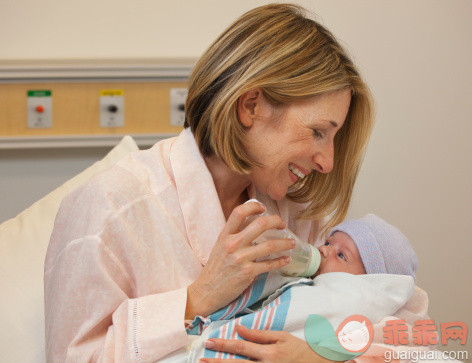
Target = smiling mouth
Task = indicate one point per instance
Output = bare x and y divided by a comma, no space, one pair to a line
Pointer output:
296,171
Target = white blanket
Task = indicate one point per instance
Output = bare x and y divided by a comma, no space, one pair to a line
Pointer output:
335,296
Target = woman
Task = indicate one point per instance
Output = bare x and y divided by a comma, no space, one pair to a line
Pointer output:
276,110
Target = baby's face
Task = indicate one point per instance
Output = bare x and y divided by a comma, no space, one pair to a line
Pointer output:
340,254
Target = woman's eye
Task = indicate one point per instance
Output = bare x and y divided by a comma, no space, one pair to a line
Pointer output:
317,134
326,243
341,255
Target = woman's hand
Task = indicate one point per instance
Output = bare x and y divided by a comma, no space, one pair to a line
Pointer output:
232,265
264,346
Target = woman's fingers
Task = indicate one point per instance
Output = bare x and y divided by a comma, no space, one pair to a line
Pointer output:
236,346
223,360
260,225
256,227
254,345
258,336
239,215
275,246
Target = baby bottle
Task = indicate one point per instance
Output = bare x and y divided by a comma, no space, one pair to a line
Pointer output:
305,257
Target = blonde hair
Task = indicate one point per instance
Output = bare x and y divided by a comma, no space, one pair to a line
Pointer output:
290,58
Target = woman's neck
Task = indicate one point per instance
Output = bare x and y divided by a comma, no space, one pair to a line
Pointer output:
230,186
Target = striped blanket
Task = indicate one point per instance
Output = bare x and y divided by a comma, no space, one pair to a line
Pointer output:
263,286
274,302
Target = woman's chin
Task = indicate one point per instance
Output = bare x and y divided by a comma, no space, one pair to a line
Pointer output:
277,194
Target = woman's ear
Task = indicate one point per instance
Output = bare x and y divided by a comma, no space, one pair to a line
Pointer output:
249,106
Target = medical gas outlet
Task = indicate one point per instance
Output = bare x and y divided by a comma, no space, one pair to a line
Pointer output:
39,109
178,96
112,108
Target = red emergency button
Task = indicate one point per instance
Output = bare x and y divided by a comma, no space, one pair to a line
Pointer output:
39,109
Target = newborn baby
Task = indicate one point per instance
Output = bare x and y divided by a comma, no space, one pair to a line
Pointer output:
367,245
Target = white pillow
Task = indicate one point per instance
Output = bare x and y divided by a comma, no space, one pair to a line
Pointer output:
23,244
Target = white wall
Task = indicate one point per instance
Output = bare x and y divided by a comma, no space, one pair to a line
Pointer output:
415,55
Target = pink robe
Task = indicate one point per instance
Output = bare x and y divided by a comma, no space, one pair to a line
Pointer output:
126,245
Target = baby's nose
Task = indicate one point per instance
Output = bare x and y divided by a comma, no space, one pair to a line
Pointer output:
323,251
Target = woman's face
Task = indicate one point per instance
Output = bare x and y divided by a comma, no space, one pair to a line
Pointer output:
291,141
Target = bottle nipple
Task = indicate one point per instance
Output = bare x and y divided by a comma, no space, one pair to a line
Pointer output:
314,263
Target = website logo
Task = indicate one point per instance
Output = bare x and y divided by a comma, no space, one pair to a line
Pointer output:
352,337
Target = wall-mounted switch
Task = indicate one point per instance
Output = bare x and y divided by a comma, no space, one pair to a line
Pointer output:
178,96
112,108
39,109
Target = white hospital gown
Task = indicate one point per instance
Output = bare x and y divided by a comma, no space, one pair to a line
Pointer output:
126,245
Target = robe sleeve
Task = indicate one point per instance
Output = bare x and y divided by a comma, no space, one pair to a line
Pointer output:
89,288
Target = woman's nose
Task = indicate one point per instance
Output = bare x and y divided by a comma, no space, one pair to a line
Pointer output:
324,159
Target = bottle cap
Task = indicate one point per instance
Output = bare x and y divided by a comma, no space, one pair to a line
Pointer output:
314,263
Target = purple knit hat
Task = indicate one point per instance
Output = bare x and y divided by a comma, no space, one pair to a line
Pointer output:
383,248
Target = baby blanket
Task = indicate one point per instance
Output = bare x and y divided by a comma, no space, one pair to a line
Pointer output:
334,296
263,286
